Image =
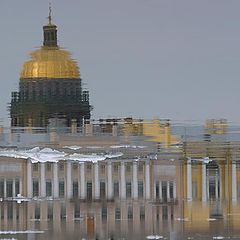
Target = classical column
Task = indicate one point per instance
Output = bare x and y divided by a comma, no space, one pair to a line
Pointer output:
189,180
160,190
204,183
69,180
20,186
14,188
42,180
135,181
5,188
109,181
29,179
147,180
174,191
234,182
96,181
82,181
123,181
216,186
55,181
168,190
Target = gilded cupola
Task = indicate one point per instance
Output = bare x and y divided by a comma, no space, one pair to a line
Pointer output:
50,61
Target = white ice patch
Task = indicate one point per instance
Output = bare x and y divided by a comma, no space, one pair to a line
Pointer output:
8,239
85,158
182,219
218,237
20,232
211,219
50,155
113,155
154,237
127,146
74,147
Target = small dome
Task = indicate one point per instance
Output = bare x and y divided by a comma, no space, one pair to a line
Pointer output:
50,62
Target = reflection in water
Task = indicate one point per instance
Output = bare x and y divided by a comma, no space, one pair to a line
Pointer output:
185,190
119,199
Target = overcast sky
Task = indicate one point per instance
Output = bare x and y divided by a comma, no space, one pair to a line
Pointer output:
177,59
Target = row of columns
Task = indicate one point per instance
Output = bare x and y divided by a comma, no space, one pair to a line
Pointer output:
13,193
168,195
96,190
205,182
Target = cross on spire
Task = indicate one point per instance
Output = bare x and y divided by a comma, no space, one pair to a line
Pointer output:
50,14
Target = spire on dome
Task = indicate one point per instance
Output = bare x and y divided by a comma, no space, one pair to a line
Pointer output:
50,31
50,14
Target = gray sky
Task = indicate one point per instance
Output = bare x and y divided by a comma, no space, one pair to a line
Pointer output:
177,59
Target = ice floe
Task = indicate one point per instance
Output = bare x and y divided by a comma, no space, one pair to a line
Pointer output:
50,155
182,219
74,147
154,237
20,232
127,146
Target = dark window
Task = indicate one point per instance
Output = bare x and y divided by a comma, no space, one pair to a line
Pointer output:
171,190
75,189
37,212
17,186
89,191
9,188
142,213
50,211
35,188
164,212
116,189
77,210
102,190
164,191
104,213
140,189
61,188
117,214
130,213
157,190
48,188
2,188
128,189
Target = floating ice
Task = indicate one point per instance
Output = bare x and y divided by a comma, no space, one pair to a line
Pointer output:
113,155
154,237
20,232
8,239
74,147
85,158
182,219
211,219
50,155
127,146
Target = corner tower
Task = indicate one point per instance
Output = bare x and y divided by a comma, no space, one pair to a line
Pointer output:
50,87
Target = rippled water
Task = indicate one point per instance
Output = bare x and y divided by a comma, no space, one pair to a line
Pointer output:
65,185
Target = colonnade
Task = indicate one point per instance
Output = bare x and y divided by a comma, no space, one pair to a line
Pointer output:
10,187
83,179
219,184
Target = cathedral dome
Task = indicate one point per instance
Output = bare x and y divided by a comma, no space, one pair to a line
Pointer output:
50,62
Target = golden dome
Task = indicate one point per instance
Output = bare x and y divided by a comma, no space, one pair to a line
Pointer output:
50,62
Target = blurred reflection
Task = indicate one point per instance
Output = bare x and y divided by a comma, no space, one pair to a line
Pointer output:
148,190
